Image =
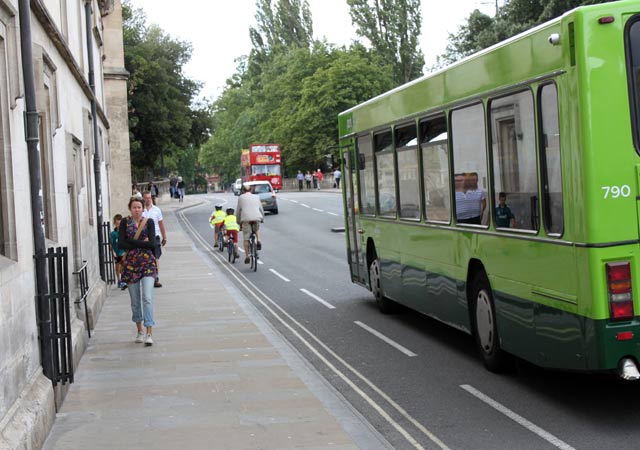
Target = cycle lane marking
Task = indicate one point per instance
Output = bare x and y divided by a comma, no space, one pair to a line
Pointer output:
555,441
318,299
279,275
386,339
280,314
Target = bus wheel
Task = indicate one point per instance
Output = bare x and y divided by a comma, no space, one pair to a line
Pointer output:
485,326
385,305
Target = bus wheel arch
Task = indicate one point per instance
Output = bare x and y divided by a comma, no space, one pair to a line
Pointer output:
385,305
483,318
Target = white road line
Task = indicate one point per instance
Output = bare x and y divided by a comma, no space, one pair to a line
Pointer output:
389,341
280,314
517,418
306,206
279,275
319,210
333,214
293,201
318,299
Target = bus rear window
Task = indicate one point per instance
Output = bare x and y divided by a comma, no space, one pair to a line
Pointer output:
633,71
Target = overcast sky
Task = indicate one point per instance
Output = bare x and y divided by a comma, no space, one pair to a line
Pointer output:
219,29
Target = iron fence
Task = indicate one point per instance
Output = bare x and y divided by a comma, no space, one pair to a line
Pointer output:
58,320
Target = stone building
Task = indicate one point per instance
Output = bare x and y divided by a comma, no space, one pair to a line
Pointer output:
84,170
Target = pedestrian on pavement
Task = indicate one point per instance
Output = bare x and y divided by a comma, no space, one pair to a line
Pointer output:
314,175
153,212
300,178
118,253
173,190
135,192
307,179
250,214
153,188
336,178
320,177
180,187
136,236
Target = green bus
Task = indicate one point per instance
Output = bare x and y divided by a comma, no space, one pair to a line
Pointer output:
500,195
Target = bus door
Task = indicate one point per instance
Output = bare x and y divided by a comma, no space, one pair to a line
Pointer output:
352,221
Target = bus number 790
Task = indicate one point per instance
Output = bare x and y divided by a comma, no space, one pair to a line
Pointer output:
616,191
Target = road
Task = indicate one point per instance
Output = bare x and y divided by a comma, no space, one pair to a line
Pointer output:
417,381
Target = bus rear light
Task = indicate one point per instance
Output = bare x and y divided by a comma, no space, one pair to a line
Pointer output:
620,293
624,336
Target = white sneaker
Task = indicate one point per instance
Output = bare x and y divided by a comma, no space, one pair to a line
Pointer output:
140,337
148,341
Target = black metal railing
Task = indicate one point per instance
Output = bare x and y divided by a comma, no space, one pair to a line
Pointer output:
107,263
58,319
83,284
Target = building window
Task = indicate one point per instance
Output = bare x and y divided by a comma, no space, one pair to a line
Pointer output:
408,174
366,176
385,173
435,166
550,159
515,168
470,164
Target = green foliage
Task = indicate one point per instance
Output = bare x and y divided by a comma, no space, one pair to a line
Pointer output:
162,121
294,101
290,89
392,27
514,17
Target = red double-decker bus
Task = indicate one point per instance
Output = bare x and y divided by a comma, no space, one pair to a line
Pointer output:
262,162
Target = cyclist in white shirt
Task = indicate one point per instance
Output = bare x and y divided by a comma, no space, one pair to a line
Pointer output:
249,210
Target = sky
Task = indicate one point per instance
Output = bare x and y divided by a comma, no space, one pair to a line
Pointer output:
219,30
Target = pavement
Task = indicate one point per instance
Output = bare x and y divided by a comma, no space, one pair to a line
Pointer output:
218,376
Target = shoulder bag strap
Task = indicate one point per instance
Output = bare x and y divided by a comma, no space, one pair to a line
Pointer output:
140,228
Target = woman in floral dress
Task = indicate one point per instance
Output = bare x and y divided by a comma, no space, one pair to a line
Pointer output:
140,268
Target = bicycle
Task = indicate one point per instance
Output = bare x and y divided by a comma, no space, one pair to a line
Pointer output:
220,239
253,248
231,250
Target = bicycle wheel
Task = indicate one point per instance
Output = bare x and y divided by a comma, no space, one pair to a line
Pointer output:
221,242
253,252
231,250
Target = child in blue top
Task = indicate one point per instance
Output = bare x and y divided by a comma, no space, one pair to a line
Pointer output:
118,253
504,216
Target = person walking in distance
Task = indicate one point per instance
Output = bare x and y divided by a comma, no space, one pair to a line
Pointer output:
136,236
180,187
160,233
336,178
320,177
300,178
249,213
307,179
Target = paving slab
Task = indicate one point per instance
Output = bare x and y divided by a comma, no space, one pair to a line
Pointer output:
218,376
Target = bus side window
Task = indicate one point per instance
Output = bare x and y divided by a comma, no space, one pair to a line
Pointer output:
366,178
434,142
470,164
385,171
551,163
408,183
515,167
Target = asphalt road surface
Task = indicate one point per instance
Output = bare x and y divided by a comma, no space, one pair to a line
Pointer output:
416,380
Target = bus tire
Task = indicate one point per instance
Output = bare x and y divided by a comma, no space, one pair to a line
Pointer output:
385,305
485,327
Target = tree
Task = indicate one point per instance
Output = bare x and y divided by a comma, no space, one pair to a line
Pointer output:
392,27
287,26
161,119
